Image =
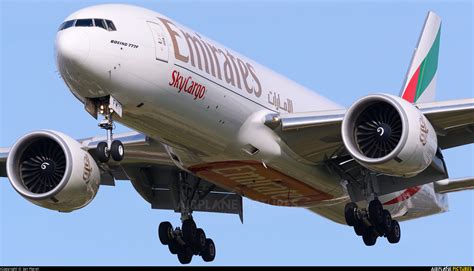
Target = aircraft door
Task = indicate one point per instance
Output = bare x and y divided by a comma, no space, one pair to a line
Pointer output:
161,45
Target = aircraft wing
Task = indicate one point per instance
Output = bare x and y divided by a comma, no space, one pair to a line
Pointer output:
453,121
139,148
145,163
311,135
141,151
317,135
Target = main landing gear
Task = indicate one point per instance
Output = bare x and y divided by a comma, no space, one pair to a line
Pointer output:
372,222
187,241
111,147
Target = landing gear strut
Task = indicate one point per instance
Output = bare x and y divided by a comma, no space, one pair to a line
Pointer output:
111,147
372,222
189,240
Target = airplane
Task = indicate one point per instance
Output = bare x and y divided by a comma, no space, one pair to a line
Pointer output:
213,126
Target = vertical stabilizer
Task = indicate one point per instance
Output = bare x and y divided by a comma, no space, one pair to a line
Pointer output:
420,82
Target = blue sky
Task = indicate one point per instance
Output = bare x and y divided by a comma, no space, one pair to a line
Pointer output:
343,49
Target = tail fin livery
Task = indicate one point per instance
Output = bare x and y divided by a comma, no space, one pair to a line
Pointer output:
420,82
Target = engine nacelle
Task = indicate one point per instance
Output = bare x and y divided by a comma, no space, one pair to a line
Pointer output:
51,170
389,135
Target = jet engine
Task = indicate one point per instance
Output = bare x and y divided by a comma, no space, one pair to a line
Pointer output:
389,135
51,170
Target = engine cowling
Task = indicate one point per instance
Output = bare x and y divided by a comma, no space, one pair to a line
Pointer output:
50,169
389,135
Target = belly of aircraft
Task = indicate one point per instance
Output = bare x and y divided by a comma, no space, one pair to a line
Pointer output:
261,183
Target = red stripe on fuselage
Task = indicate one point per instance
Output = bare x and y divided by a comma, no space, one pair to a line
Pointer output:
404,196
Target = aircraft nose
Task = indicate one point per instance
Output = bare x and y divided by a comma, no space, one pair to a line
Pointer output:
72,47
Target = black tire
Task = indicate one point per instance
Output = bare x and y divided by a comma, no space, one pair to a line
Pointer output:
395,233
102,153
350,213
209,253
189,231
185,255
359,228
369,237
386,223
165,232
117,150
173,247
200,240
375,211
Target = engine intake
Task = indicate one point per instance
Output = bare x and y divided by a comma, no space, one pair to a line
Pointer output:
378,130
51,170
42,166
389,135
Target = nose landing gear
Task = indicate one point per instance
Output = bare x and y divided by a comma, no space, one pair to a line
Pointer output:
372,222
111,147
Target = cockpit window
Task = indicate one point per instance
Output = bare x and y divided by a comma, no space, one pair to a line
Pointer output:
111,25
102,23
84,23
66,24
61,27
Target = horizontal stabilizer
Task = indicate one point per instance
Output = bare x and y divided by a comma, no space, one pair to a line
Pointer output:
454,185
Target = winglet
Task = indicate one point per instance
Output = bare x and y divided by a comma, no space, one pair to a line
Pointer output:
420,82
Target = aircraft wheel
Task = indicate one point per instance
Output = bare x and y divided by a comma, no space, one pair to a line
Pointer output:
173,247
369,237
165,232
350,213
359,228
395,233
209,252
185,255
117,150
189,230
102,153
386,224
375,211
200,240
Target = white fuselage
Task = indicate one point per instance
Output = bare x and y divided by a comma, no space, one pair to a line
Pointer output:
207,104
